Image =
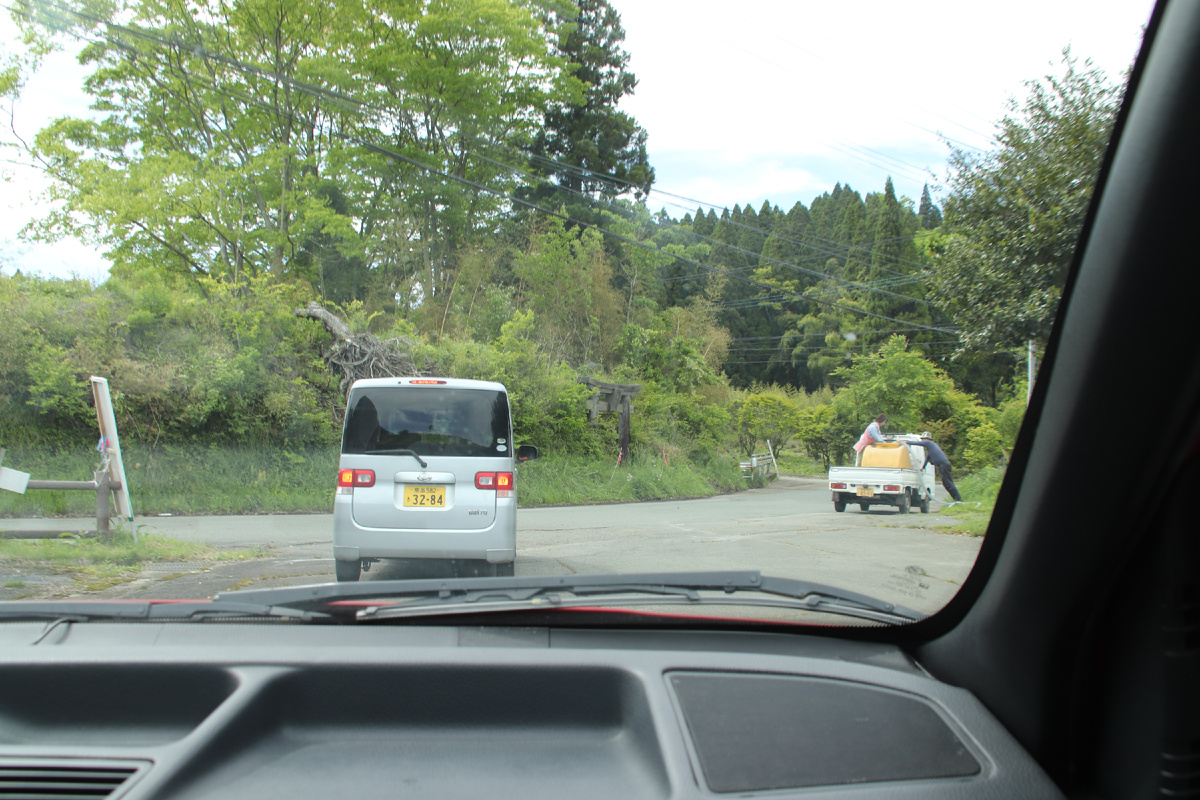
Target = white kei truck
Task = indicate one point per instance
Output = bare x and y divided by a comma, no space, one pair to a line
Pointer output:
891,473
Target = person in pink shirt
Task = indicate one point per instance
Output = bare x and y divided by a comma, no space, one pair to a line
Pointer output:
870,436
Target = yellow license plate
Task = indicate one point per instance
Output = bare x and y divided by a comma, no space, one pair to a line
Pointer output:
866,491
425,496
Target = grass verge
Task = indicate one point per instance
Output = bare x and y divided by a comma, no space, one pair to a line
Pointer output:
573,480
182,480
259,480
94,563
979,491
793,462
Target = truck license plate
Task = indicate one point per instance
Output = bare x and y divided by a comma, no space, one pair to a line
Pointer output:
866,491
425,496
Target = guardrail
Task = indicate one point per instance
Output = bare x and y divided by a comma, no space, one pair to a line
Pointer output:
102,484
760,464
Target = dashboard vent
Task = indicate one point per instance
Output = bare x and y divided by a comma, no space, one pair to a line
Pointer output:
64,779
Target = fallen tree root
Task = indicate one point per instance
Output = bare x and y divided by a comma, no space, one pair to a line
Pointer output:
354,356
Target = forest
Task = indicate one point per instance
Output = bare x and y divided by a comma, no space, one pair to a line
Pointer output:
466,191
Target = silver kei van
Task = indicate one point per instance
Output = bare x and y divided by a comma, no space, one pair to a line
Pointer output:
427,474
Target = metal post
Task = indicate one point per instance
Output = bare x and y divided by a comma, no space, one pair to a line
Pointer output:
623,429
102,502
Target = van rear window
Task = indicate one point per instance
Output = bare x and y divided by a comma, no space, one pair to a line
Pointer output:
447,421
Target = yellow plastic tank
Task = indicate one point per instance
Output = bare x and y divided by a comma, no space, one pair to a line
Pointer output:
890,455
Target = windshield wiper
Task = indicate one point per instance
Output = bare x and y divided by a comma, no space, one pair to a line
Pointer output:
396,452
431,597
145,610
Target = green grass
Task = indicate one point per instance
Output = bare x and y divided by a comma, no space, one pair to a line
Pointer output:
118,549
977,488
793,462
179,480
259,480
96,563
572,480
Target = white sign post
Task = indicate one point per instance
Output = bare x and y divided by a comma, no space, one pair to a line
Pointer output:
110,445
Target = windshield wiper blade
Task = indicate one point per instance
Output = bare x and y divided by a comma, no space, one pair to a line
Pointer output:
396,452
94,610
429,597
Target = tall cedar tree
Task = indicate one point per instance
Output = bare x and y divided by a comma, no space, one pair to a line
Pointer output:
931,215
589,150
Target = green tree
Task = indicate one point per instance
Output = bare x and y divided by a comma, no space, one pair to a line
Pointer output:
586,146
818,435
767,414
931,215
234,139
916,395
1012,215
566,281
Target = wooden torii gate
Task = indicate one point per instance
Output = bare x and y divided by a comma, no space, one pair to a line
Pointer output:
616,397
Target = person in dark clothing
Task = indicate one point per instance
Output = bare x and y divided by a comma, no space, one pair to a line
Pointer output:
935,456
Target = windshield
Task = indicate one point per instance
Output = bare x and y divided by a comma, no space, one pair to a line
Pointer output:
757,288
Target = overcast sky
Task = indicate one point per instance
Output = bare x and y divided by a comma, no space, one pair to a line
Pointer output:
750,100
759,99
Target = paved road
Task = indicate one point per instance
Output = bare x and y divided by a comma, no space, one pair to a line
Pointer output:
788,528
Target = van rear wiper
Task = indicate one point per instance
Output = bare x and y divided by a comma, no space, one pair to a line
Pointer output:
396,452
431,597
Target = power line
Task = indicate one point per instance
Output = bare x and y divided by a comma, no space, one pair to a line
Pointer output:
785,335
769,234
390,153
353,103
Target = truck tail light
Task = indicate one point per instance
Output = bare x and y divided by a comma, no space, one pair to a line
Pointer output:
349,478
837,486
891,488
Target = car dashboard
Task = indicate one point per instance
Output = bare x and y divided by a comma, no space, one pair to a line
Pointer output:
260,709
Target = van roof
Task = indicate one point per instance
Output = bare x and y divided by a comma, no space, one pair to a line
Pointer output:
463,383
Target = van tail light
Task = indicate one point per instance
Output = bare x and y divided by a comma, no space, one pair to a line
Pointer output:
891,488
349,478
837,486
501,482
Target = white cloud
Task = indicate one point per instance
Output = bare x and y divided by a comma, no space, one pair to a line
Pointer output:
54,91
819,85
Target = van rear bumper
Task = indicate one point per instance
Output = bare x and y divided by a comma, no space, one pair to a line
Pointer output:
496,544
346,553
